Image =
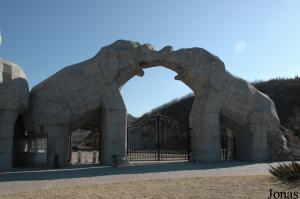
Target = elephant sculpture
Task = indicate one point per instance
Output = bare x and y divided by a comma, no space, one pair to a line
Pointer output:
14,97
223,97
79,93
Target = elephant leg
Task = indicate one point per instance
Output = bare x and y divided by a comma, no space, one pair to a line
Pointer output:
58,144
243,145
205,129
258,129
114,124
7,122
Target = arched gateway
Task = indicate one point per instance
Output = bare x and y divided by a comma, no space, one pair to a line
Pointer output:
77,94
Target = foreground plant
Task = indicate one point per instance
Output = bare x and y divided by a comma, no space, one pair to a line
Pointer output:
286,171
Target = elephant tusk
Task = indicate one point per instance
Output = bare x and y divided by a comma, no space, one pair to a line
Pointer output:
177,77
140,72
181,74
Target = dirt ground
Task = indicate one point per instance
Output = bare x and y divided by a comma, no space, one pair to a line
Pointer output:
198,187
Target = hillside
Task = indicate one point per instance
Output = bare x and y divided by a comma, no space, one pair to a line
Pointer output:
286,95
178,109
130,119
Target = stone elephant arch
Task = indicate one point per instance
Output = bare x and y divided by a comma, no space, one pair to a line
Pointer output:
75,95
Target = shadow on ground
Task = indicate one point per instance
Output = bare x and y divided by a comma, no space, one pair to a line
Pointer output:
97,170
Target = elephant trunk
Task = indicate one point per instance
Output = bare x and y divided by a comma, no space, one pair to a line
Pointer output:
154,58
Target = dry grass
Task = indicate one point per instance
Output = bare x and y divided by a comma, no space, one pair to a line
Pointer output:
203,187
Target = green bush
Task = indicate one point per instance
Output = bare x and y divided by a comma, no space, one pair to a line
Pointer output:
286,172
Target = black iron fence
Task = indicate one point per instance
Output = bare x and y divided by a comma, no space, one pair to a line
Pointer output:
158,137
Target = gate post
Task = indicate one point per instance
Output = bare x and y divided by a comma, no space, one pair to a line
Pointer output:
189,144
128,144
158,140
78,157
94,156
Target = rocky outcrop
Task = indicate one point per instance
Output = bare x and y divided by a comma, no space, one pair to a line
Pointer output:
292,143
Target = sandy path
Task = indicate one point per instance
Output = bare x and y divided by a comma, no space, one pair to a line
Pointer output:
228,187
26,181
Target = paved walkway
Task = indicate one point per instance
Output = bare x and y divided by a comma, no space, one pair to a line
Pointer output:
18,181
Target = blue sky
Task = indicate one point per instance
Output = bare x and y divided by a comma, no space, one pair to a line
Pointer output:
258,39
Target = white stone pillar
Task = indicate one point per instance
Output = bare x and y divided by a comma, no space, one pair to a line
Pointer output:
205,132
259,150
257,125
58,144
114,127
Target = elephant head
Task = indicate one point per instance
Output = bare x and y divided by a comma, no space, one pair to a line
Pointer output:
120,61
199,69
196,67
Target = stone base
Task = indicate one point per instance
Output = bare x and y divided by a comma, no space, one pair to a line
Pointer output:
206,156
120,161
6,146
260,155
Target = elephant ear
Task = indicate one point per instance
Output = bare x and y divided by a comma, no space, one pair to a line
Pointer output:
108,64
218,75
110,74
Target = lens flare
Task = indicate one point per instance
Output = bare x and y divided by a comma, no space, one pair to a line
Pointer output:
240,46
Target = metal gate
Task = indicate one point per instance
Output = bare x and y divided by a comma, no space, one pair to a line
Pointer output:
228,148
158,137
